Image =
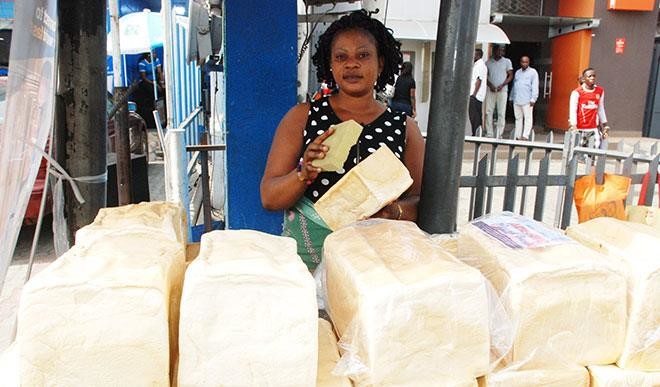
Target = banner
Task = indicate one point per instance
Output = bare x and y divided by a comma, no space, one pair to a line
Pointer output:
28,115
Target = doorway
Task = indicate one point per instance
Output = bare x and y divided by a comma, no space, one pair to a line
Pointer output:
540,57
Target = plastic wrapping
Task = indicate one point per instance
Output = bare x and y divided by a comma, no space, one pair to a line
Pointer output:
613,376
163,219
110,314
560,295
328,357
637,246
248,313
649,216
407,312
543,368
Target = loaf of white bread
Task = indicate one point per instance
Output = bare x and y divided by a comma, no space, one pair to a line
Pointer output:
361,192
105,312
638,247
649,216
570,377
99,315
613,376
328,357
563,297
408,313
248,314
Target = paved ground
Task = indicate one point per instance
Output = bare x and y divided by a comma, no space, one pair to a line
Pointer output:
45,254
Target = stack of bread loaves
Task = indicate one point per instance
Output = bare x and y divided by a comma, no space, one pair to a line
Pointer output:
563,297
248,314
408,313
637,246
99,315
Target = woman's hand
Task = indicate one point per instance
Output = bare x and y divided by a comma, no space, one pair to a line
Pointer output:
390,211
315,150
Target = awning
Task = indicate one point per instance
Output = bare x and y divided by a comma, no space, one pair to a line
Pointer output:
557,25
428,30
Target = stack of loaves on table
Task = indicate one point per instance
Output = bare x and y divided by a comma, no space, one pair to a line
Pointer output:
511,302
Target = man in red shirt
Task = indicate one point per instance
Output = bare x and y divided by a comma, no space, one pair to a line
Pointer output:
587,111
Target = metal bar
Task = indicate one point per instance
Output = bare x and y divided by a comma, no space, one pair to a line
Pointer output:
479,195
206,191
600,170
627,170
511,184
653,178
457,31
528,159
523,181
494,141
206,148
493,164
475,157
568,194
168,62
123,147
539,203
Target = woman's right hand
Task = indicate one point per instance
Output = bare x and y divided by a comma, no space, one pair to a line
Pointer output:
315,150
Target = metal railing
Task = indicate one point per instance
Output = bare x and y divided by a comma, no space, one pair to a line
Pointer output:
548,164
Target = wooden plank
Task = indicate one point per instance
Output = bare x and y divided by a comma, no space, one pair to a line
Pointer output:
544,167
511,183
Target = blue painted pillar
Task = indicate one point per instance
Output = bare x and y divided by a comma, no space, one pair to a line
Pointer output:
260,66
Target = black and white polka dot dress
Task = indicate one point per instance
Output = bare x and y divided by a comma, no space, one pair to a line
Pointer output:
388,129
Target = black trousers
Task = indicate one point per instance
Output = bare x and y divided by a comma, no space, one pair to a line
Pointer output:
475,113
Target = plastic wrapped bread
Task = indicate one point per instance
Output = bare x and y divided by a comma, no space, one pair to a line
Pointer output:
328,357
248,314
573,377
561,295
163,219
649,216
542,368
613,376
339,143
369,186
99,315
9,371
407,312
638,246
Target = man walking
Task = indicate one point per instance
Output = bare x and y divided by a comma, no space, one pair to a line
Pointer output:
524,94
500,73
587,111
478,92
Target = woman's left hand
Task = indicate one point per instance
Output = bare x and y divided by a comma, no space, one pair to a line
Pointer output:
390,211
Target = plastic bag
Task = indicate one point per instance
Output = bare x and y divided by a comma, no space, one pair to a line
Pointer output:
407,311
560,295
593,200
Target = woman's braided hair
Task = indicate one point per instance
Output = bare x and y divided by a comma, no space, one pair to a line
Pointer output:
388,48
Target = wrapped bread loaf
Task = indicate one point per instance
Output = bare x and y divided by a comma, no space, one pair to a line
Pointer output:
407,312
561,295
99,315
163,219
574,377
613,376
328,357
248,314
369,186
638,246
649,216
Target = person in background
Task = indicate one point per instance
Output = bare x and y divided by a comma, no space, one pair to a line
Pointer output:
404,92
586,112
478,92
524,93
500,73
150,76
355,53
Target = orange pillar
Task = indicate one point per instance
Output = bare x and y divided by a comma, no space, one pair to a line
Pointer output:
570,55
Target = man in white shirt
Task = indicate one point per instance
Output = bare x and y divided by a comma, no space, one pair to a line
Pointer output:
478,91
500,73
524,94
